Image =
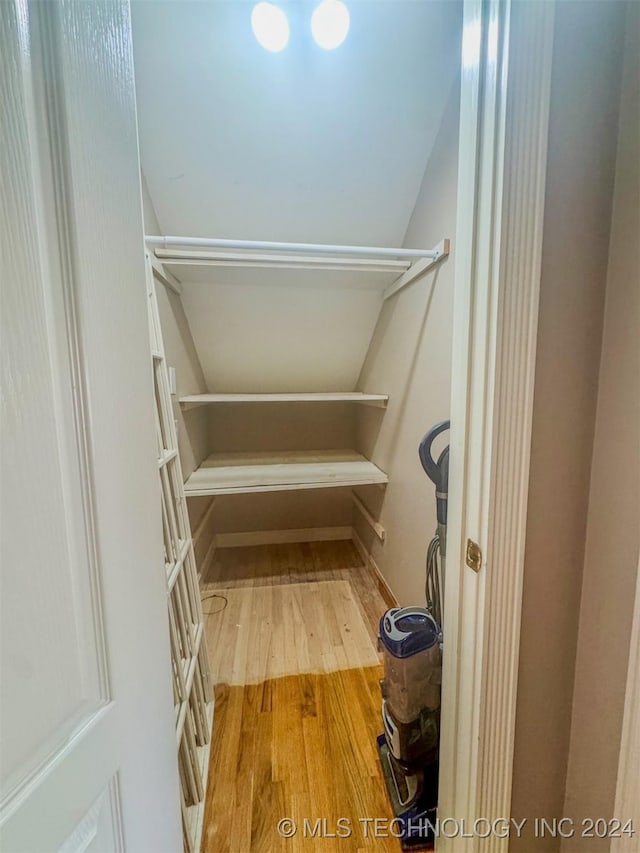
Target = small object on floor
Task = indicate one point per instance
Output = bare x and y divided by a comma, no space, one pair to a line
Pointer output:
212,612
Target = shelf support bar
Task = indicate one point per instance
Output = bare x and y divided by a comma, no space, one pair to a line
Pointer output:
377,528
164,276
418,268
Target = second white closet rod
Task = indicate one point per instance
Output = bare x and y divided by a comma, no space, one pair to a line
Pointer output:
313,248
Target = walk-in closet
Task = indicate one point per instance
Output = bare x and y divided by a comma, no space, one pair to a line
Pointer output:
319,420
299,210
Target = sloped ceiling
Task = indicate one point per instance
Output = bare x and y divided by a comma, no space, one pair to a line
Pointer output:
280,333
306,145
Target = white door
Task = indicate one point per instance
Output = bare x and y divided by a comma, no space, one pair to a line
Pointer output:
88,753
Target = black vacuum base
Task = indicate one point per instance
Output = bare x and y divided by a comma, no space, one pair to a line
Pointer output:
413,797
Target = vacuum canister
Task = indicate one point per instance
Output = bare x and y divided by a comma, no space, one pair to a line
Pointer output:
410,639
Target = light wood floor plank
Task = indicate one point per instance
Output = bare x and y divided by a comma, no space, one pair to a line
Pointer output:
293,656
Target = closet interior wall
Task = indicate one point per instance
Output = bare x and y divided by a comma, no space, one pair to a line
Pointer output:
410,358
406,354
343,336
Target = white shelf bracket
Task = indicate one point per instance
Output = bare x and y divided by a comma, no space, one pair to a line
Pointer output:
377,528
418,269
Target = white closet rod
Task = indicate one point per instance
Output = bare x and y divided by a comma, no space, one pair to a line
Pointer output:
313,248
222,258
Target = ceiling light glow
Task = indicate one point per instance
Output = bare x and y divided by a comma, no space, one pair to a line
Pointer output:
330,24
270,26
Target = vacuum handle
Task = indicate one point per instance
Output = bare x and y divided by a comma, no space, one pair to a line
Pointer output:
442,487
431,467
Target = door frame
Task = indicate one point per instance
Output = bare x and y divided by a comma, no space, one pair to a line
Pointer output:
628,783
505,94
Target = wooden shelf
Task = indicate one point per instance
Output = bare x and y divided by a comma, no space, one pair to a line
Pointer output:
193,400
243,473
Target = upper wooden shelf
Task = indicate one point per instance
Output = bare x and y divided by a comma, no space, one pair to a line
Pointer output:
192,400
275,471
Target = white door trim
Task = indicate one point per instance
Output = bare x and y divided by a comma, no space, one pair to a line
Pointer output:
506,66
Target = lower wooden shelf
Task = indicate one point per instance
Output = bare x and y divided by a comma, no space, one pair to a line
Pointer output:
273,471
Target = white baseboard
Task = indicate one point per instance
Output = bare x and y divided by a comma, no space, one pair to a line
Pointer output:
203,568
277,537
385,590
357,541
305,534
203,522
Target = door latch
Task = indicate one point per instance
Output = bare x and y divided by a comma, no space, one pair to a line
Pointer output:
474,555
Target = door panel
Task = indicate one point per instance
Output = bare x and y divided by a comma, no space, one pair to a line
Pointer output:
88,748
51,644
94,832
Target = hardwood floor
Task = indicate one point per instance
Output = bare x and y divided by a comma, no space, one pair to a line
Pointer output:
293,656
275,565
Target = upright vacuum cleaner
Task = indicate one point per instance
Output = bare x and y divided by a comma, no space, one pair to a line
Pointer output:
411,641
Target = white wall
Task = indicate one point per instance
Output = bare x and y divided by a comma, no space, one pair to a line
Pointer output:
308,145
580,171
283,511
409,358
281,330
613,519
